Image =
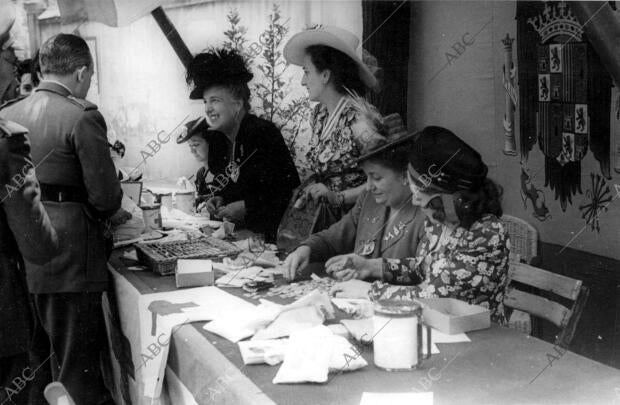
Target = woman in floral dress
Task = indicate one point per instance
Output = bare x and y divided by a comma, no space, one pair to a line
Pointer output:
464,253
332,71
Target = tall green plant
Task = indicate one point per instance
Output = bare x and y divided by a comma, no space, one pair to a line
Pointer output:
235,34
270,89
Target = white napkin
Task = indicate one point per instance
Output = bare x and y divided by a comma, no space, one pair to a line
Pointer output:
310,310
312,353
306,358
345,356
263,351
290,321
238,325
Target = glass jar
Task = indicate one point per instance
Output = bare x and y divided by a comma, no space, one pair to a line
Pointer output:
397,340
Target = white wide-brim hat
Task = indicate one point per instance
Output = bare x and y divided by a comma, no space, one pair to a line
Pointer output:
334,37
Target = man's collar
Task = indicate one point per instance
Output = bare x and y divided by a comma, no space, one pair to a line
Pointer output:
54,86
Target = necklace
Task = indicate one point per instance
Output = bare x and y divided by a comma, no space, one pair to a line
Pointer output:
232,170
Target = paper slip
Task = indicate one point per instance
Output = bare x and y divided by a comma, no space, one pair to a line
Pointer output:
440,337
400,398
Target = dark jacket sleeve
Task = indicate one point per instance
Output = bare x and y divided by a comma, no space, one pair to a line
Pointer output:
100,180
337,239
20,196
274,179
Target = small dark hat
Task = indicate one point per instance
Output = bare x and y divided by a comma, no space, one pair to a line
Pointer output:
198,126
450,163
216,67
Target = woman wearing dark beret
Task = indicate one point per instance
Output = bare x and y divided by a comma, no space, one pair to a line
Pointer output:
198,135
251,150
464,253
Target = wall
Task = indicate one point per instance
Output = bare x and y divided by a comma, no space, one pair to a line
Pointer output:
466,95
142,88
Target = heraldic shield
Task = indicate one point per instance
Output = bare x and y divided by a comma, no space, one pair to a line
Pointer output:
562,122
564,95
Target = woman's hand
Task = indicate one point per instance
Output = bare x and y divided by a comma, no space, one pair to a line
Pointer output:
350,266
318,190
120,217
350,289
213,205
233,212
296,262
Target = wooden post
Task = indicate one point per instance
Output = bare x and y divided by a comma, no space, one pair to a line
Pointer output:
33,10
172,35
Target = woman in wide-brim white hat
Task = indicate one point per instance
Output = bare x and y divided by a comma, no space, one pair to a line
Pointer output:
333,68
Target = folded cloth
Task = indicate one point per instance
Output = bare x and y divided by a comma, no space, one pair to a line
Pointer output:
317,299
242,324
345,356
356,307
360,329
310,310
290,321
307,357
312,353
269,351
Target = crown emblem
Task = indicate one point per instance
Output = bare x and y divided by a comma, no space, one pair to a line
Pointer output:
556,20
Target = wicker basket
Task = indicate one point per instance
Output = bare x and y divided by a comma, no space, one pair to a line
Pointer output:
162,257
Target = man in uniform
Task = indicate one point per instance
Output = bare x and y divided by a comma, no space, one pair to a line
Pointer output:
25,230
80,191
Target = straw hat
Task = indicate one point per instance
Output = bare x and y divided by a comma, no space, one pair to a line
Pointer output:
334,37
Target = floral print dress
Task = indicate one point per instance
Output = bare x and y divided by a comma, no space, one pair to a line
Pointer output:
332,149
469,265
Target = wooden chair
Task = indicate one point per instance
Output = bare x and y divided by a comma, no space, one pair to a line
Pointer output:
523,249
523,239
572,290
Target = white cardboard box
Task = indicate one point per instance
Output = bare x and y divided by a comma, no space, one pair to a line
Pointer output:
194,273
452,316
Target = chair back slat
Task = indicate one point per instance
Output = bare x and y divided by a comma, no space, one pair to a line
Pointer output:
545,280
566,335
538,306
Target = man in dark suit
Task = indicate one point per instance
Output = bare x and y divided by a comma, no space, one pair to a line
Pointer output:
80,191
25,230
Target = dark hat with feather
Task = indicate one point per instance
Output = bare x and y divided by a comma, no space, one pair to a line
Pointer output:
219,66
374,134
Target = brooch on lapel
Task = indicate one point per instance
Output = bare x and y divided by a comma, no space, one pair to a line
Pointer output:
395,232
368,247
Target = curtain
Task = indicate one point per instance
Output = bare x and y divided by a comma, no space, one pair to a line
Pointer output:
386,37
602,26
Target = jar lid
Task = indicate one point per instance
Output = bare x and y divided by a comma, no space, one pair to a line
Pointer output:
184,193
396,308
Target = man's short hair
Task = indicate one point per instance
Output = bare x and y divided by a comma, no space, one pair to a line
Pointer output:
62,54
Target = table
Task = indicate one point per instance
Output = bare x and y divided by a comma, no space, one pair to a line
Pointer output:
497,366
